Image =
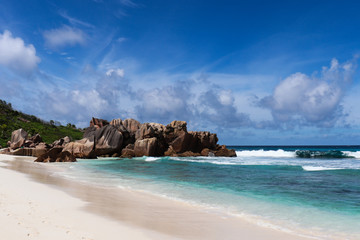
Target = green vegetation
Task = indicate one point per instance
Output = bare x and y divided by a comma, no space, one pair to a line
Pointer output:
11,120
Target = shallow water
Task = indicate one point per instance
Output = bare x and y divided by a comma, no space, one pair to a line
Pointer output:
269,186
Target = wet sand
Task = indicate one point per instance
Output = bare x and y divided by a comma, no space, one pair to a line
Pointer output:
39,205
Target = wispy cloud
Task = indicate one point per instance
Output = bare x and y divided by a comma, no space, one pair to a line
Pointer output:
64,36
128,3
16,55
74,21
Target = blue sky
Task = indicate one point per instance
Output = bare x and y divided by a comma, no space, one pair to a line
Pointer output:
255,72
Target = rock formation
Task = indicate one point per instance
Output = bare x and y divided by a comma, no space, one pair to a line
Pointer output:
108,139
84,148
56,155
98,123
126,138
18,138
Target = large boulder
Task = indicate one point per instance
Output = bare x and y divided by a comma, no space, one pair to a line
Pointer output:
36,139
24,151
222,151
150,130
146,147
18,138
131,125
108,140
203,140
174,129
61,142
98,123
182,142
128,151
56,155
84,148
118,124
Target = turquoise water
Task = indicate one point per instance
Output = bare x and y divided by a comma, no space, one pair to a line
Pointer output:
313,194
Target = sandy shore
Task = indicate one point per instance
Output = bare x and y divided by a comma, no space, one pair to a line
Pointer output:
38,205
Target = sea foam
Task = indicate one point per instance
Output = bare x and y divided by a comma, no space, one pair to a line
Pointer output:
262,153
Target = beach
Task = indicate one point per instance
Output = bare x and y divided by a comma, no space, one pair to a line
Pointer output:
36,204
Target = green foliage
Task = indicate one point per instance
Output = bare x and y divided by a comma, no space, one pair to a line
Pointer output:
11,120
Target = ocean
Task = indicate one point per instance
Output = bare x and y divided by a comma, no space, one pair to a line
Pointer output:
309,190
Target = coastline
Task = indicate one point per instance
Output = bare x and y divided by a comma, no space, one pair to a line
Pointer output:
131,214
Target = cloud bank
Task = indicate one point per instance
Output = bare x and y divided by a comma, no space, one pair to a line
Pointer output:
309,100
64,36
15,55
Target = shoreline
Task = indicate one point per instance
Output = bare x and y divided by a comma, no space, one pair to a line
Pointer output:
150,216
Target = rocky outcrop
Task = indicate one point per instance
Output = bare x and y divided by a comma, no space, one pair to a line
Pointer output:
61,142
56,155
98,123
126,138
146,147
31,152
150,130
18,138
131,125
108,140
84,148
128,151
222,151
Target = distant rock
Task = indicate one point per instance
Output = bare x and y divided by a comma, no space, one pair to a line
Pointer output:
150,130
122,138
56,155
84,148
18,138
98,123
222,151
128,151
146,147
131,125
61,142
108,140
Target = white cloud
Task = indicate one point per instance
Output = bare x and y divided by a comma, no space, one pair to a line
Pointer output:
115,72
64,36
16,55
301,99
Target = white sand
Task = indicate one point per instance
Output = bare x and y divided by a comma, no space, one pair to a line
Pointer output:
31,210
34,210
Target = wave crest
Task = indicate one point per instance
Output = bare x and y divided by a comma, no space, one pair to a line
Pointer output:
263,153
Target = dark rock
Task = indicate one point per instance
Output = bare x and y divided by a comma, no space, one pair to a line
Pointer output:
36,138
127,153
108,140
18,138
84,148
146,147
65,157
174,129
150,130
131,125
182,142
205,152
56,155
127,137
170,152
32,152
130,146
61,142
98,123
203,140
225,152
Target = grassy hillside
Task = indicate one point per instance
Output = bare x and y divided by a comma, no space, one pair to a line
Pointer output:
11,120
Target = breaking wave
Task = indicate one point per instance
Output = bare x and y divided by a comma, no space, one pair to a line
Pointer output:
265,153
